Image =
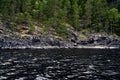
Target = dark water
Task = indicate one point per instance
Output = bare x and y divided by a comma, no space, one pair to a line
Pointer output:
60,64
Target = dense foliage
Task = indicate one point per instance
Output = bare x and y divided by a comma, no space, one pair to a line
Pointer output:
93,15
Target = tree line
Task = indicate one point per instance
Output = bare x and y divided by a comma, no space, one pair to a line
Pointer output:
93,15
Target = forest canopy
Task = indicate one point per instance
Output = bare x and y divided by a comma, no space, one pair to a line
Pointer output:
93,15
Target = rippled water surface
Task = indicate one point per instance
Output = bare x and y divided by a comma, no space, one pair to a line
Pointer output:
60,64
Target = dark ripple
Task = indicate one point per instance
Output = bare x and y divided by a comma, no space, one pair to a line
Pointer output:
65,64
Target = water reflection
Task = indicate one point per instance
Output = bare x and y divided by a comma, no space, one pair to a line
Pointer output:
63,64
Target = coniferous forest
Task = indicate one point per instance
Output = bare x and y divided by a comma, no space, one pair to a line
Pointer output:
59,39
98,16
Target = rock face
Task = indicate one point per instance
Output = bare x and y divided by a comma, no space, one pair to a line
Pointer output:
45,41
103,40
16,39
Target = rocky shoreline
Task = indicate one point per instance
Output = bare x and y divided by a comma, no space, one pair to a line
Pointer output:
49,42
21,38
57,47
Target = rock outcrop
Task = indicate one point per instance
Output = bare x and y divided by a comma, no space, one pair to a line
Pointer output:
16,39
45,41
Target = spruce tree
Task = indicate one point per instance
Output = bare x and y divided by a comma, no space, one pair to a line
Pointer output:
75,19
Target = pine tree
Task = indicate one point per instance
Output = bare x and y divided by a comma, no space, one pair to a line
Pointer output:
76,21
65,10
88,13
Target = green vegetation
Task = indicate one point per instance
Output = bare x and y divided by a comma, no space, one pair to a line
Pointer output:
93,15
